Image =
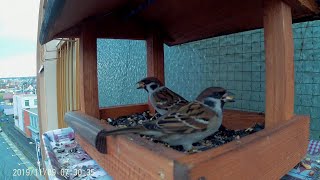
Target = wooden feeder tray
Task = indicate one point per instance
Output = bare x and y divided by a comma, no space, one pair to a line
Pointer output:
134,157
222,136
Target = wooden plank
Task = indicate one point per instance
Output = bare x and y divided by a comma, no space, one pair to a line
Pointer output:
267,154
310,5
58,81
303,7
62,86
155,58
182,20
234,119
131,153
88,71
279,62
131,157
117,111
77,75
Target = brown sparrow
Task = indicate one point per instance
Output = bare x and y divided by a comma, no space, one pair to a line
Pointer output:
189,124
161,98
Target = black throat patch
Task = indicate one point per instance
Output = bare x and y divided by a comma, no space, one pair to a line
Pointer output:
153,86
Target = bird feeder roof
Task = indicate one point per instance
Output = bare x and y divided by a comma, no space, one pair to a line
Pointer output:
179,21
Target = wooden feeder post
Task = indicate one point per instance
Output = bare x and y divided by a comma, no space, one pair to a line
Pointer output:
88,70
155,58
279,62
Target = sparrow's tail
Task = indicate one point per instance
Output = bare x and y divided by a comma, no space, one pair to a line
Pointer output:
101,144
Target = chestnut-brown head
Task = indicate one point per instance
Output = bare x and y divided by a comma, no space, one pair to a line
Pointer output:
149,84
212,95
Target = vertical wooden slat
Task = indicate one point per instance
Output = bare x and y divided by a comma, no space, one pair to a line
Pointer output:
63,87
73,80
70,60
58,84
88,70
78,75
67,80
68,77
155,58
279,62
67,105
64,84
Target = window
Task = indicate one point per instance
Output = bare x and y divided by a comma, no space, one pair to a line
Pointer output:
35,102
31,121
26,103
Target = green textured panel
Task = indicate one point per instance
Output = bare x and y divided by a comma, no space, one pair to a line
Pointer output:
234,61
121,64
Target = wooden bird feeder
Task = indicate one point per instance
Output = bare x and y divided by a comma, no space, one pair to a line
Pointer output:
267,154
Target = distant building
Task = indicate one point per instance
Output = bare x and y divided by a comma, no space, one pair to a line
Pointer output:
8,111
8,98
26,123
21,102
31,123
30,88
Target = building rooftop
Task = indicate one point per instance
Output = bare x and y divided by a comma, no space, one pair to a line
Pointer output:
2,107
7,96
25,95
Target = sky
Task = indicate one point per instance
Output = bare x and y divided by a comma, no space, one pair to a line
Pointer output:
18,37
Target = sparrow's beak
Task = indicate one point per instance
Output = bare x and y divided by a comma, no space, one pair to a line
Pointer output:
140,85
228,97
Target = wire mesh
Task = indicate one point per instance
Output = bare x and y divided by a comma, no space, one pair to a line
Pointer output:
235,62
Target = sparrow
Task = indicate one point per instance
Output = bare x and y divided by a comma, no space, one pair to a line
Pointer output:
161,98
189,124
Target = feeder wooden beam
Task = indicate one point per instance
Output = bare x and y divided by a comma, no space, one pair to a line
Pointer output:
117,111
305,5
155,58
88,70
279,62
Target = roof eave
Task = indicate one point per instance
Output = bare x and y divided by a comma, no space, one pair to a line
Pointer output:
52,11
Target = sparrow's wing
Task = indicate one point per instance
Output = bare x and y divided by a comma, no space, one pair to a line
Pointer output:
191,118
166,99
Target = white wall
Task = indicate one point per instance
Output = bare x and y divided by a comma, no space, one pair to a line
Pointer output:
31,99
51,94
49,108
19,105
